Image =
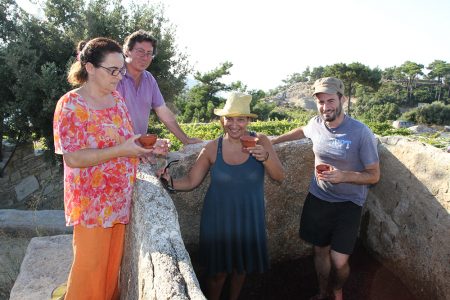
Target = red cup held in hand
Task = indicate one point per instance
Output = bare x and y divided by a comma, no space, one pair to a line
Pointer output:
322,167
148,140
248,141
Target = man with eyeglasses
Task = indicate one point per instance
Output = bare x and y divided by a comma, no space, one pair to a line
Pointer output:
140,89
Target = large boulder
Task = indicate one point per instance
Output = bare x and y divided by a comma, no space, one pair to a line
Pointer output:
284,201
46,265
406,223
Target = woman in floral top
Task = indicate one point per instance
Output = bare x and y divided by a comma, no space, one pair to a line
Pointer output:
93,132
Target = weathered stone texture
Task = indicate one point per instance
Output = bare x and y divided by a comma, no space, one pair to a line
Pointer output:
27,223
29,181
47,263
406,222
26,187
284,201
155,265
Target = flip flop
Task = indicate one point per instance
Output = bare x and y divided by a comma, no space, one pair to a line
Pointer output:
59,292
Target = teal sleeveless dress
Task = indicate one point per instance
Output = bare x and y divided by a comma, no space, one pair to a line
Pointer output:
232,226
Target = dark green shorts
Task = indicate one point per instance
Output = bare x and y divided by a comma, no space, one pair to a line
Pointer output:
334,224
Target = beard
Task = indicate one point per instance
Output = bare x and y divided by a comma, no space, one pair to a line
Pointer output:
331,116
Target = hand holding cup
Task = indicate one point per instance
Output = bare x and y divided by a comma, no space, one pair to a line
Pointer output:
322,168
248,141
148,140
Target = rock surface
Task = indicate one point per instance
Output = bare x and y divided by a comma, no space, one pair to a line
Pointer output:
46,265
30,223
406,222
12,252
284,202
155,265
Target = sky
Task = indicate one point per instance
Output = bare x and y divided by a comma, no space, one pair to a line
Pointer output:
269,40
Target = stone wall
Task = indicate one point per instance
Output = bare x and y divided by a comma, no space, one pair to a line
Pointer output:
406,221
29,181
284,201
156,264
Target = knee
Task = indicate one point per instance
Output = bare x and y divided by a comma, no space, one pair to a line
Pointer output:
340,265
339,260
322,252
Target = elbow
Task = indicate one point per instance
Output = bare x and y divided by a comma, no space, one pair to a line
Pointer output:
279,176
375,178
71,161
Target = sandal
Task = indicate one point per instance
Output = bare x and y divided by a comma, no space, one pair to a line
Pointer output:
59,292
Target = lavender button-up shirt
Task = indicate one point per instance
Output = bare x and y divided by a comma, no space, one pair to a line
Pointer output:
140,100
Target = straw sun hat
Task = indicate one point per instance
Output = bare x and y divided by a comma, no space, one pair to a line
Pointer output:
237,105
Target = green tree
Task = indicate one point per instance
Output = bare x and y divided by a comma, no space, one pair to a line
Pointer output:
198,103
439,69
316,73
37,52
294,78
392,74
434,113
411,72
352,74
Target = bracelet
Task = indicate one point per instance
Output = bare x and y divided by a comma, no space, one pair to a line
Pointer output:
266,158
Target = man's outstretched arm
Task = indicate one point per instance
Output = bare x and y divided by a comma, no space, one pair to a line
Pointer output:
294,134
166,116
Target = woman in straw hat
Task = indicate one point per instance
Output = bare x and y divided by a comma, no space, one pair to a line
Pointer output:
232,229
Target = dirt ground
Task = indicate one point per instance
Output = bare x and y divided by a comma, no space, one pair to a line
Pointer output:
296,279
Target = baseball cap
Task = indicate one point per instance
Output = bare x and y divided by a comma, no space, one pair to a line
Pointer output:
328,85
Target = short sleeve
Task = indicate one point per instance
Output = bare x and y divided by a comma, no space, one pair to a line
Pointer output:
157,98
124,113
368,149
308,127
69,125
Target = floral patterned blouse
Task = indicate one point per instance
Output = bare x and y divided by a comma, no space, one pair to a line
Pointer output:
100,195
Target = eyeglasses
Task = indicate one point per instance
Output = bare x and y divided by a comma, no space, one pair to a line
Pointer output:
141,53
115,71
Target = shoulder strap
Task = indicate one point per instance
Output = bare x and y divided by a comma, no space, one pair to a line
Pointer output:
219,146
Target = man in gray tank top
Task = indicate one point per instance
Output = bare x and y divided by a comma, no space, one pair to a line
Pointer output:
346,161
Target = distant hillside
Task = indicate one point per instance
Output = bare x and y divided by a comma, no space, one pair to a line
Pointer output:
297,95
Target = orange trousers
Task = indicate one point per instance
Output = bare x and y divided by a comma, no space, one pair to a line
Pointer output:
97,254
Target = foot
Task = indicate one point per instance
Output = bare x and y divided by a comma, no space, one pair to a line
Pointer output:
338,295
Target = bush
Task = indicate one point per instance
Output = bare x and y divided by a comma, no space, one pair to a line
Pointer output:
210,131
435,113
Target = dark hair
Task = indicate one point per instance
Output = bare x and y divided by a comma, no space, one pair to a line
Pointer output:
139,37
93,52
